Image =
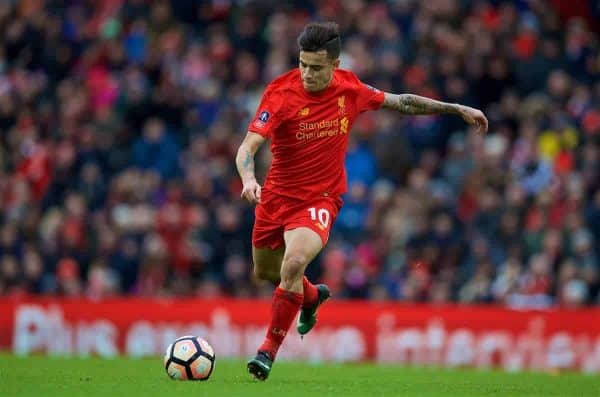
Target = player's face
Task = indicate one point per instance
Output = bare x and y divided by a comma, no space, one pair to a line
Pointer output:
316,70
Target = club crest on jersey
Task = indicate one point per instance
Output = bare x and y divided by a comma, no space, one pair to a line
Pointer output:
344,125
342,105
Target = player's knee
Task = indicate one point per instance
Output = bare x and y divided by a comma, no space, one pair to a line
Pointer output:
293,267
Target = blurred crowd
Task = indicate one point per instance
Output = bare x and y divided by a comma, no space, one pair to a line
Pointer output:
119,123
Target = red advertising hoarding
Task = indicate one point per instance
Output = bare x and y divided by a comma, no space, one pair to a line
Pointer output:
446,335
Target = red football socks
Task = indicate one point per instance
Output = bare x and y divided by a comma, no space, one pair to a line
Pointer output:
283,310
311,294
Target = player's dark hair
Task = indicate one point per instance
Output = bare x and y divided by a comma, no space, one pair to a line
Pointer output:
319,36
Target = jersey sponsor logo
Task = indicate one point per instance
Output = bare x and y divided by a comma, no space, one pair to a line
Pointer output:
304,112
318,125
322,129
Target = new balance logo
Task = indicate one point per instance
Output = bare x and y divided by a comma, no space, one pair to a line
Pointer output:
304,112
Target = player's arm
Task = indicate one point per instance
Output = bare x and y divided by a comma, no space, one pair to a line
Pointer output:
417,105
244,161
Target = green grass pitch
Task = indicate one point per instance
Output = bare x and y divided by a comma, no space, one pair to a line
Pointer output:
43,377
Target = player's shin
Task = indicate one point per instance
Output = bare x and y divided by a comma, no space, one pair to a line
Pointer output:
285,306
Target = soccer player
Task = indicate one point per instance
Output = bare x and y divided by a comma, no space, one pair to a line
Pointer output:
307,113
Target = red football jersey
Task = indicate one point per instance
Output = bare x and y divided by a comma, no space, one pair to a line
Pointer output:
309,132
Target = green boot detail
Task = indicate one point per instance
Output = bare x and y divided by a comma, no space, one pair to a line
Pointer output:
308,316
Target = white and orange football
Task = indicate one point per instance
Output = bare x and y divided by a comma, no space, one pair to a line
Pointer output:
189,358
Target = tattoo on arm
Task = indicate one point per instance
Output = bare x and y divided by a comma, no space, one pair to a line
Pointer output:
415,105
245,163
244,160
248,161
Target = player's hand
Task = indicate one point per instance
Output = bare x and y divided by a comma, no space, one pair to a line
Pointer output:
251,192
474,117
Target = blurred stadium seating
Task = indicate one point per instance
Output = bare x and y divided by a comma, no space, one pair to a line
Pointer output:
119,122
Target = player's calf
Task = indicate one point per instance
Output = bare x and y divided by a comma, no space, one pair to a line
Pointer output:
267,275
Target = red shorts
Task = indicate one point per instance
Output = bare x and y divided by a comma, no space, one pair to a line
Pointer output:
277,214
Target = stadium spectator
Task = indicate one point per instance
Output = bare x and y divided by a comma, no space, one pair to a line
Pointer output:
119,120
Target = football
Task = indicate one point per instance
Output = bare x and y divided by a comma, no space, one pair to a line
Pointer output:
189,358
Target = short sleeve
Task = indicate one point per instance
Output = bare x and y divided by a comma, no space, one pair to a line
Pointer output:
268,115
368,98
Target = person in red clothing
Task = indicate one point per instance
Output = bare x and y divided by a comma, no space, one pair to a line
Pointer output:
307,114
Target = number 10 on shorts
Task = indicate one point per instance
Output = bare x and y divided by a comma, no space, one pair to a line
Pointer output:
321,215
